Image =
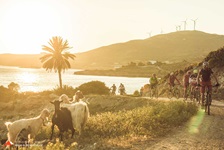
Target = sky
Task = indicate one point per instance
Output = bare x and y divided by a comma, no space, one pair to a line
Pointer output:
26,25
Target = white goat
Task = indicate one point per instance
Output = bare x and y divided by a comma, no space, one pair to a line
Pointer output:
79,111
65,99
34,123
76,98
80,114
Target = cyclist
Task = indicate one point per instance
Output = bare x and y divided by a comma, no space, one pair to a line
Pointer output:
193,80
205,75
173,90
171,80
186,78
113,89
122,89
153,81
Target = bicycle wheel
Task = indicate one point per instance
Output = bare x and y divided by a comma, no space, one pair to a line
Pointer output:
192,94
151,93
169,94
197,95
188,93
156,93
209,103
207,106
177,93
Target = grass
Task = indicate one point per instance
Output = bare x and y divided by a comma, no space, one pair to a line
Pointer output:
120,129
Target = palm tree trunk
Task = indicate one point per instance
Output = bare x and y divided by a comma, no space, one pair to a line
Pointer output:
60,80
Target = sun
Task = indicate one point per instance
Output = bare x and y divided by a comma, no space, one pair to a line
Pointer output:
26,25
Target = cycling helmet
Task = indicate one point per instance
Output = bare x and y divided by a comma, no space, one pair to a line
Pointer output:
195,71
205,64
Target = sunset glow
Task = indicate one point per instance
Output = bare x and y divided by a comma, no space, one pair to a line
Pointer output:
30,24
25,25
28,77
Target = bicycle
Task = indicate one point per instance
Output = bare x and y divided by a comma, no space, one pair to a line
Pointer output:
208,98
195,94
112,92
154,92
174,91
188,93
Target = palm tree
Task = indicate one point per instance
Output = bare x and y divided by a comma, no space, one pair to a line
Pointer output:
57,56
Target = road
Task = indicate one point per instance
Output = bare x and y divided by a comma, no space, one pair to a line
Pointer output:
205,132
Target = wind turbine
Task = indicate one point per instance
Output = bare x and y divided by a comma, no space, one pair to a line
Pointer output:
185,24
194,22
150,33
177,28
161,32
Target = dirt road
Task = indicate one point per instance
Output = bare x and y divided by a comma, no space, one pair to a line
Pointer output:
204,132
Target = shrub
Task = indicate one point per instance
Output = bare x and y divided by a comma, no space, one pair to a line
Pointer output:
136,93
68,90
7,94
14,87
94,87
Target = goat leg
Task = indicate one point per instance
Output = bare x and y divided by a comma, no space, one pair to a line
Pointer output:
73,131
60,135
52,131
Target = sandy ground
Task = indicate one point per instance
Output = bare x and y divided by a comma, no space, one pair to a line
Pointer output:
204,132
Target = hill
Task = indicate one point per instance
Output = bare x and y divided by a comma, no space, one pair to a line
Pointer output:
21,60
177,46
173,47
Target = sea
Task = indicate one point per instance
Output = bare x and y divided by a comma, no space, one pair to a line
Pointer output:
38,79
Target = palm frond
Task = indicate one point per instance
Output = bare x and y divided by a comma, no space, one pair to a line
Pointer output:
68,64
48,65
68,55
48,49
45,57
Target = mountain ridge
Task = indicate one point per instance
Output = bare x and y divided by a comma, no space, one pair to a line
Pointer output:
175,46
192,46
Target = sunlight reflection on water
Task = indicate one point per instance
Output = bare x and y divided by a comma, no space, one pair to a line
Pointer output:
40,80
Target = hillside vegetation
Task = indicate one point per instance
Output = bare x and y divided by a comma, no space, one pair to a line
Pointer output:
139,70
191,46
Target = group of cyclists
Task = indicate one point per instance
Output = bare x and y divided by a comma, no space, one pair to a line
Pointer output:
121,89
196,80
192,81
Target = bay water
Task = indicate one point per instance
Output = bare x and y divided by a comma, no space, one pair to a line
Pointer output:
38,79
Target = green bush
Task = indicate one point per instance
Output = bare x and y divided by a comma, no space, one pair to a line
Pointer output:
94,87
136,93
7,94
68,90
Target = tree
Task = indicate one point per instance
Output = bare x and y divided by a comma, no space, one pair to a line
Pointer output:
57,56
14,87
